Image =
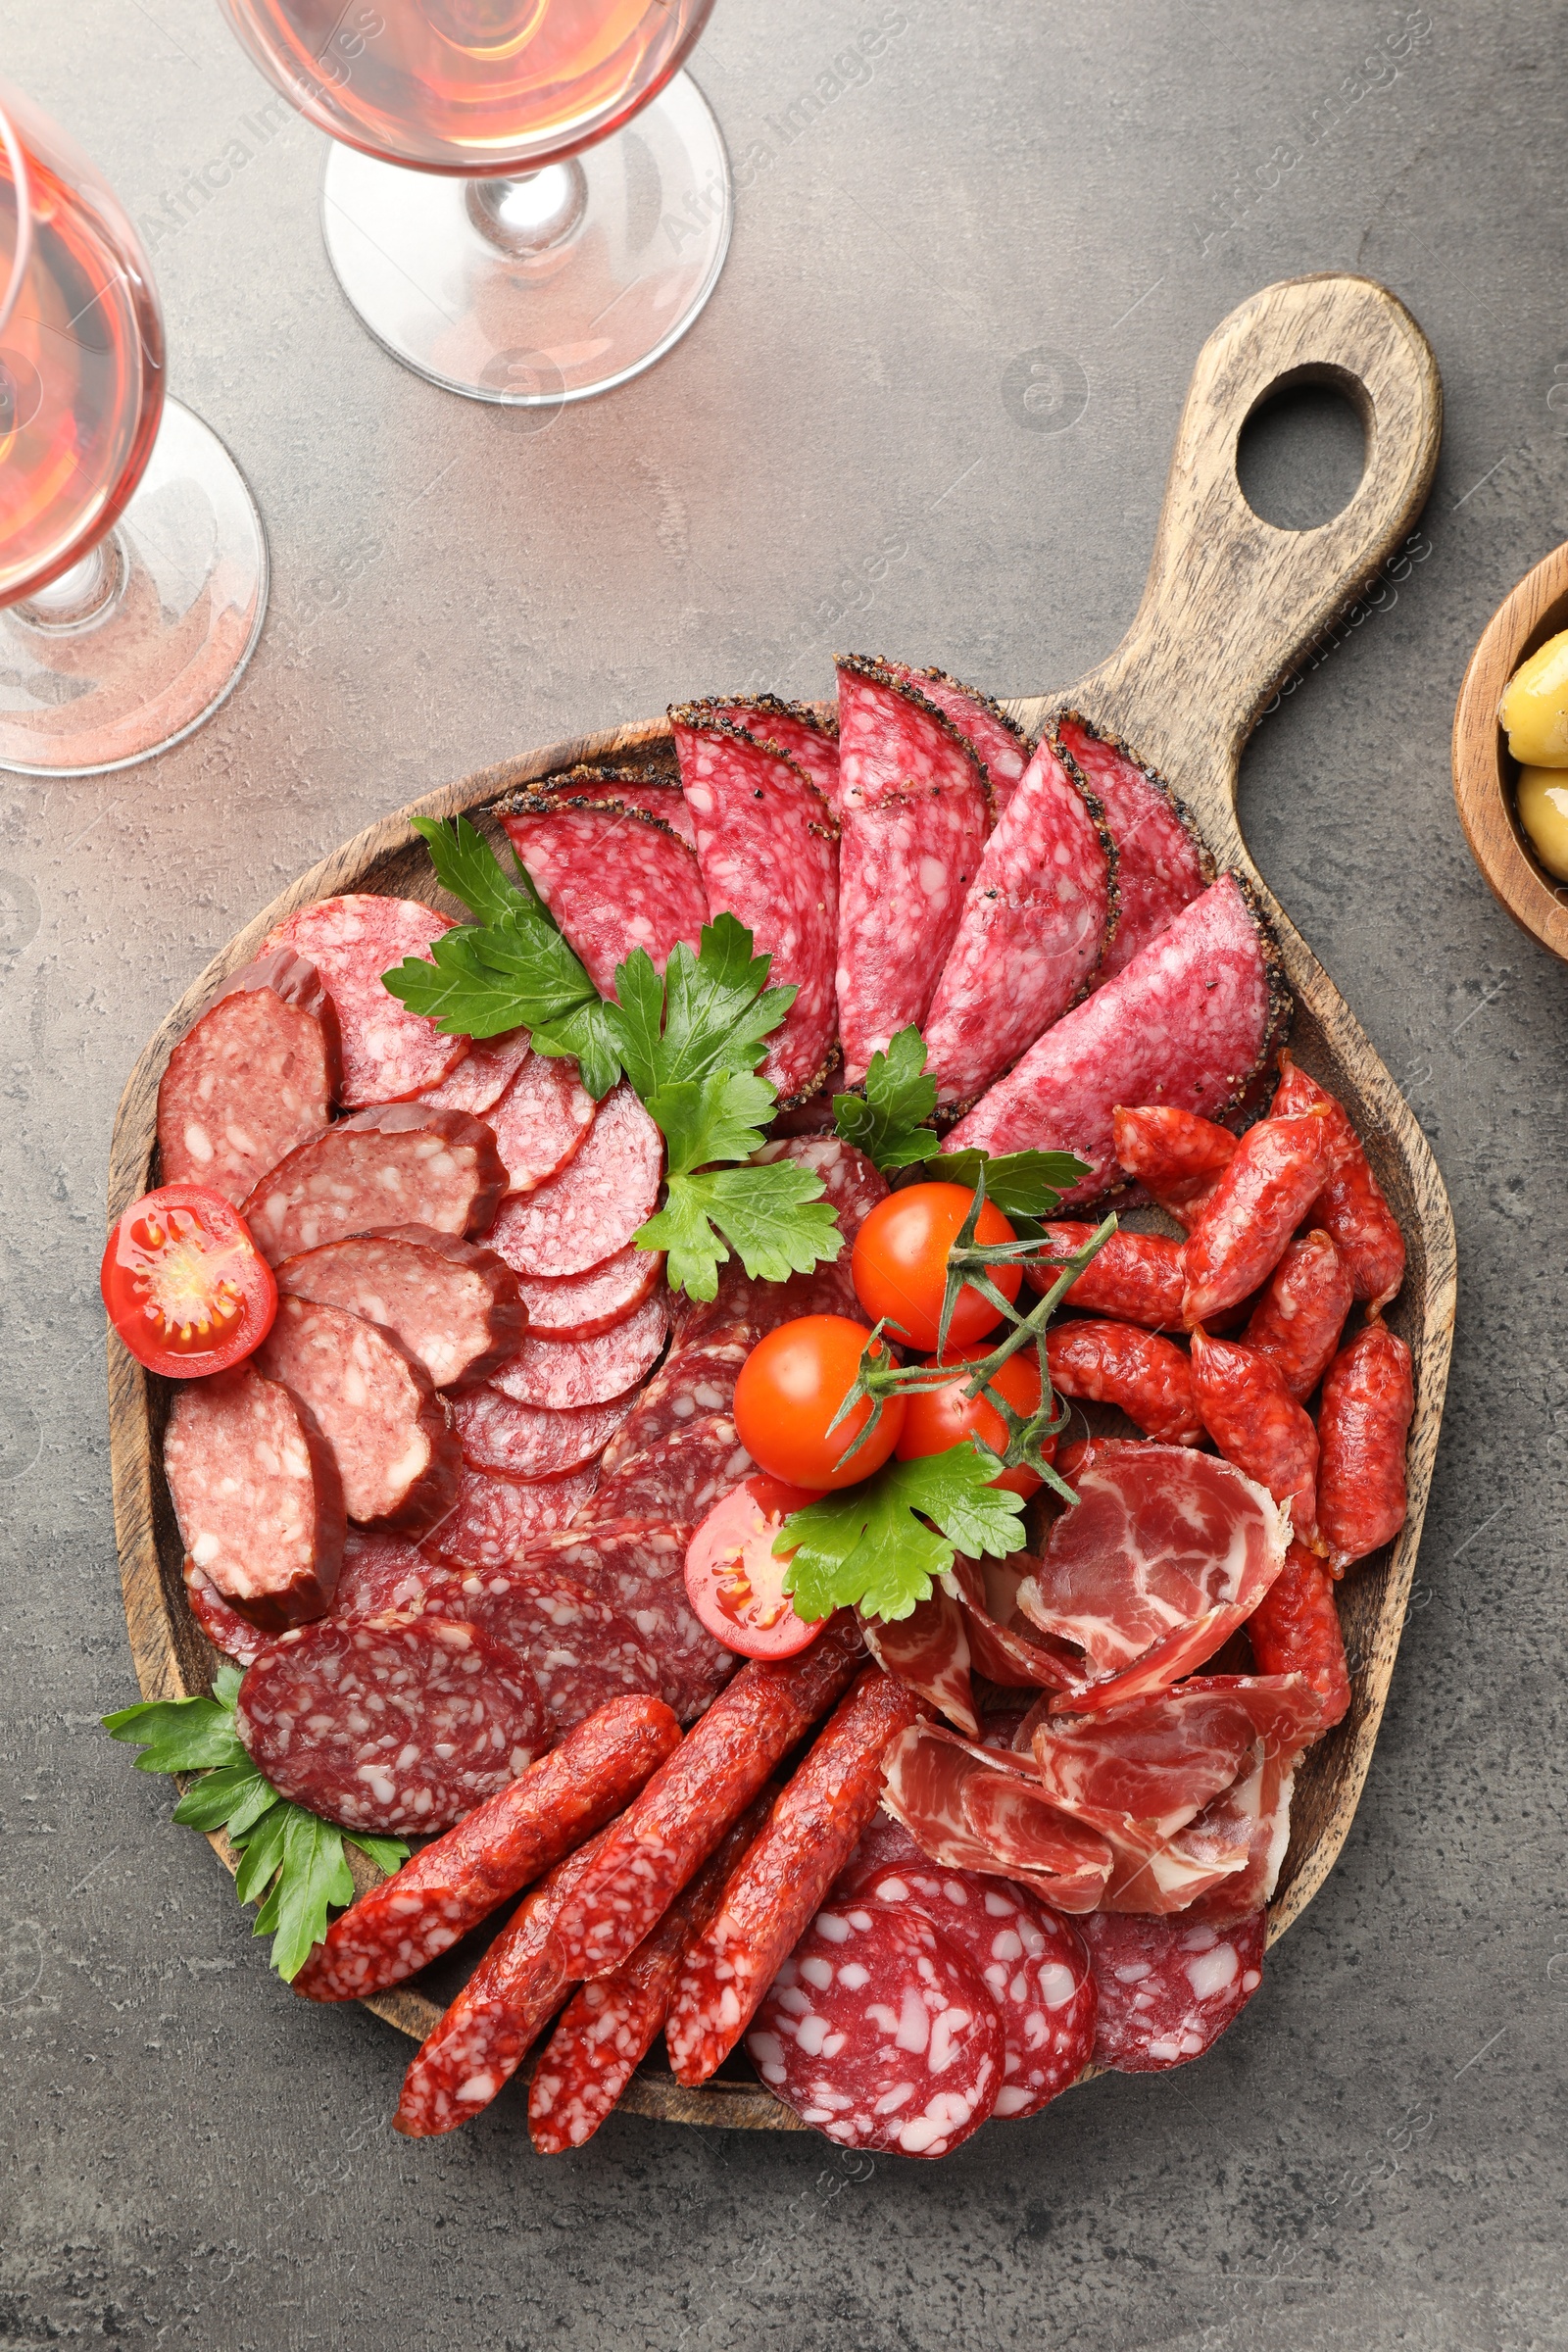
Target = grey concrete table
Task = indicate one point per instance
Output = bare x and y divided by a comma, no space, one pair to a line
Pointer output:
928,412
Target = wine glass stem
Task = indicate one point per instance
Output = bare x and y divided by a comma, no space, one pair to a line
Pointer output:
81,596
533,212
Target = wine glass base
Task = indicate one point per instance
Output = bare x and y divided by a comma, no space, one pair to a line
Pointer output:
162,630
533,329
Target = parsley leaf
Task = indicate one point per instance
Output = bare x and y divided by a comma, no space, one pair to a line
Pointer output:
467,866
291,1862
774,1215
866,1544
888,1124
1021,1184
718,1008
718,1117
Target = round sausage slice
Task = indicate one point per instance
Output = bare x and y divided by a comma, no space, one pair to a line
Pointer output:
252,1080
582,1306
388,1051
561,1373
597,1202
395,1454
256,1494
401,1163
541,1121
532,1440
453,1305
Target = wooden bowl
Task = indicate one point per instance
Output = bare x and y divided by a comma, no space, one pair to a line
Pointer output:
1484,772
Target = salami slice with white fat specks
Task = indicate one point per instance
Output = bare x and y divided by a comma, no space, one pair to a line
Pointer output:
388,1723
453,1305
579,1650
1161,864
564,1373
679,1478
398,1163
687,1388
916,815
881,2033
1033,1963
1000,740
767,845
376,1408
640,1570
1034,926
492,1518
582,1306
614,878
225,1628
542,1121
482,1076
388,1051
530,1440
256,1494
253,1079
1190,1022
385,1572
1168,1988
797,730
596,1203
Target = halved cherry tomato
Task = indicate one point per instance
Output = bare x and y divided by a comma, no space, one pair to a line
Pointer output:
899,1265
937,1418
791,1386
735,1584
187,1287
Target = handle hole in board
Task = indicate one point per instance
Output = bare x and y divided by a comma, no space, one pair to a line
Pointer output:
1303,452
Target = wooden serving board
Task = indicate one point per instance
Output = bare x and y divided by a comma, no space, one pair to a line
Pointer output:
1231,607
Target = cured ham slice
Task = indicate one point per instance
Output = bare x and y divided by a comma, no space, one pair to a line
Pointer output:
1163,864
980,1809
1002,1646
929,1650
1164,1555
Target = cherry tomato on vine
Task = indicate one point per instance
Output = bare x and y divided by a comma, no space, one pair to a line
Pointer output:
899,1265
937,1418
187,1287
736,1583
791,1386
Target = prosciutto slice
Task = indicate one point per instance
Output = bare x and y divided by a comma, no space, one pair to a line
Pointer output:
1164,1555
981,1809
929,1651
1002,1646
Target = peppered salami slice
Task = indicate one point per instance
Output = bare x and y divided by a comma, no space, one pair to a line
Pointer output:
542,1121
530,1440
492,1518
388,1723
646,791
562,1373
640,1569
915,812
583,1306
679,1478
483,1075
796,728
596,1203
225,1628
376,1408
767,845
453,1305
257,1496
881,2033
253,1079
1033,1963
1000,740
581,1651
1168,1988
388,1051
1034,926
385,1572
1189,1022
614,878
1161,864
400,1163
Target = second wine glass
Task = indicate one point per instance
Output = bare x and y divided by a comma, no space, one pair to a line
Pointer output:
493,211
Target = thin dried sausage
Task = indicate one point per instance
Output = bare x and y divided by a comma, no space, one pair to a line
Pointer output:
1363,1427
1116,1363
1256,1423
1278,1170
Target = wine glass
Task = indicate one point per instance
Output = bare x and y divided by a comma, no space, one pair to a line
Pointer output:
132,560
492,211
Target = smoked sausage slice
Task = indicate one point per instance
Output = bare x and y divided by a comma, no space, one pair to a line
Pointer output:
454,1305
401,1163
397,1458
388,1051
257,1496
252,1080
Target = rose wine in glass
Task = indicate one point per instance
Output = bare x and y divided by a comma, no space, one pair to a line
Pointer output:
132,562
527,201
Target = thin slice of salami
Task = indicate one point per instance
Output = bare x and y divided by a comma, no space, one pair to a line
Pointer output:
680,1479
580,1652
797,730
597,1202
1164,864
376,1408
639,1567
483,1075
458,1880
915,814
614,878
1168,1988
385,1572
564,1373
388,1051
1033,1963
648,791
1034,924
767,844
257,1493
1189,1021
881,2033
542,1121
225,1628
253,1079
530,1440
1000,740
582,1306
491,1518
690,1385
397,1164
388,1723
453,1305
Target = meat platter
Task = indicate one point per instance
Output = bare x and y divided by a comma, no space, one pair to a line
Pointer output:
1231,606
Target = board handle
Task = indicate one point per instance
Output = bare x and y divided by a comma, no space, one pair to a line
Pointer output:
1233,603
